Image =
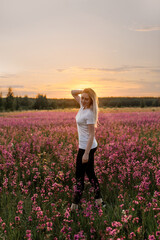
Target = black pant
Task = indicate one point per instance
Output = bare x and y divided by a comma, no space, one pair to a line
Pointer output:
81,169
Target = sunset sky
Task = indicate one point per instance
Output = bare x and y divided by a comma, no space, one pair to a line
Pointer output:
53,46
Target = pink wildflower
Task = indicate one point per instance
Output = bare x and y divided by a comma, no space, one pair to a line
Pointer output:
17,218
151,237
131,235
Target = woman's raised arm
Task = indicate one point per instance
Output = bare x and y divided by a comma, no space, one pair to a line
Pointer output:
75,94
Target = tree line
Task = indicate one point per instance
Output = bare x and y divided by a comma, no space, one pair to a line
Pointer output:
18,103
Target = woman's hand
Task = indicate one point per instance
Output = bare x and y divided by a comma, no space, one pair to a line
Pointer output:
85,158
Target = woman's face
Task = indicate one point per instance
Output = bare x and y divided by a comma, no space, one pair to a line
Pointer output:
86,100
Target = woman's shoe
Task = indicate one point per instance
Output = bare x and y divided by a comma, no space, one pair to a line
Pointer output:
103,204
74,207
99,202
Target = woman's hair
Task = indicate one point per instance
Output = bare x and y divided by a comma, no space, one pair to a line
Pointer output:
94,103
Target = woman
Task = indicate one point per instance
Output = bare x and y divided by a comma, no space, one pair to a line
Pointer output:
86,119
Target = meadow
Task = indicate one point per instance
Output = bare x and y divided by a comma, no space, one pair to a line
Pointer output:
37,176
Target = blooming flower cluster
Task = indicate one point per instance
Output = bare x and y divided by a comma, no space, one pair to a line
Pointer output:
37,177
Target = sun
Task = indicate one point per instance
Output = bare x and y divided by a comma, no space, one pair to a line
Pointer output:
84,85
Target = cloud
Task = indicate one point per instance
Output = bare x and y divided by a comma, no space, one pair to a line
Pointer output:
57,88
60,70
107,79
117,81
12,86
146,29
121,69
8,75
156,70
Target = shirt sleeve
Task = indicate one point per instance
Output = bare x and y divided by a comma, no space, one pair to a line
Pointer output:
90,118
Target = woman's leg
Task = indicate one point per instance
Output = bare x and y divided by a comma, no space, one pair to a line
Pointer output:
91,174
80,172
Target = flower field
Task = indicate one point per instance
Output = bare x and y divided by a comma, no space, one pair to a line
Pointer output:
37,177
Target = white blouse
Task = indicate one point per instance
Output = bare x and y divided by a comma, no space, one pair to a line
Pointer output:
84,117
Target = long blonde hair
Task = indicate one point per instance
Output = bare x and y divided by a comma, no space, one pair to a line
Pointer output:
94,103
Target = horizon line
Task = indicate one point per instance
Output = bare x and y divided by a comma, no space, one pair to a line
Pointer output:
98,97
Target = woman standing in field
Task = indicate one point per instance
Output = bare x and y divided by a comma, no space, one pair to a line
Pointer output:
86,120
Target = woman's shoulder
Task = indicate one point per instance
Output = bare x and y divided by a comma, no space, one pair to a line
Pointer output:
90,109
90,112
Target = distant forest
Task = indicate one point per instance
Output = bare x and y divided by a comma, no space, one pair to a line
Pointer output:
15,103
